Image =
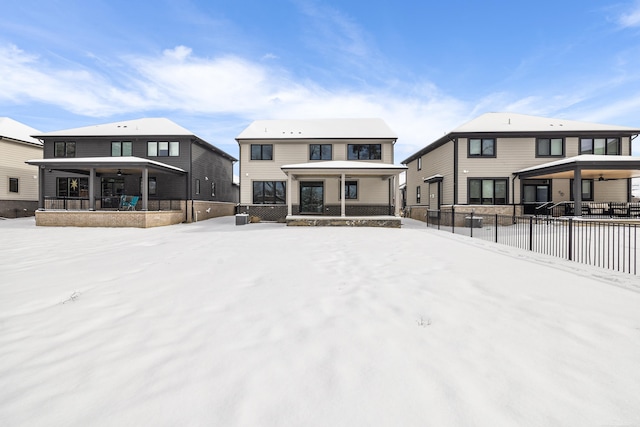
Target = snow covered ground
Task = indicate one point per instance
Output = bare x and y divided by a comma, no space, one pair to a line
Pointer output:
265,325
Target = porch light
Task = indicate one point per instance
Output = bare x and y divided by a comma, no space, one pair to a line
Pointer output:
119,172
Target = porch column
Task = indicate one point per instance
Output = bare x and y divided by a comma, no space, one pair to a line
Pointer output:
577,192
145,188
92,199
342,195
289,202
41,175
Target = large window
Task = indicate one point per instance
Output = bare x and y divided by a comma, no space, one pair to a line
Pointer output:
587,190
487,191
120,148
550,147
261,151
482,147
153,186
364,152
64,149
13,185
269,192
350,190
72,187
163,148
602,146
320,152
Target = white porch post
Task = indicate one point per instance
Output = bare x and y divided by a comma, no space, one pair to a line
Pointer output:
396,195
289,208
342,195
92,199
145,188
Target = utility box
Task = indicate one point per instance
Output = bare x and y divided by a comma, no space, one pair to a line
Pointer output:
242,219
473,222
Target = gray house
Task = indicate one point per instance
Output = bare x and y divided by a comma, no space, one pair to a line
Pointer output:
96,172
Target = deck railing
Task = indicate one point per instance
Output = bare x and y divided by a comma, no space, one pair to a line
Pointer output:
108,203
608,244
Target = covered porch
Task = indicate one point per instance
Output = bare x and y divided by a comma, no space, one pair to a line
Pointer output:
343,193
588,167
100,198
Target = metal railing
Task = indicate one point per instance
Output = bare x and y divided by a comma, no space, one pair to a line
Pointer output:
107,203
590,209
611,245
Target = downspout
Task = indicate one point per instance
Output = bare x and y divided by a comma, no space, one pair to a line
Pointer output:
189,177
455,171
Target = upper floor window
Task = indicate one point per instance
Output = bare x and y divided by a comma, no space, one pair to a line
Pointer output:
419,163
121,148
261,151
64,149
163,148
418,194
482,147
364,152
603,146
320,152
549,147
13,185
487,191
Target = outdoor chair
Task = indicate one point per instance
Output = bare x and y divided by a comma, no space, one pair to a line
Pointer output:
131,204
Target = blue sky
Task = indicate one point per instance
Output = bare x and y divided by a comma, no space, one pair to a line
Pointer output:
214,66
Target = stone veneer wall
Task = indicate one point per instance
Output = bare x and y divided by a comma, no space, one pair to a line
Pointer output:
138,219
203,210
420,212
17,208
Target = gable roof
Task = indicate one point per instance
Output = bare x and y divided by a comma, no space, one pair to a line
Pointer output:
139,127
318,129
513,124
17,131
159,126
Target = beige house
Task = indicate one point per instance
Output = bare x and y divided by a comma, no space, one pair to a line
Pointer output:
325,168
510,163
18,181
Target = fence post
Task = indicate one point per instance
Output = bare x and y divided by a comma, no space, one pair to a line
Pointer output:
495,224
453,219
530,233
570,240
471,224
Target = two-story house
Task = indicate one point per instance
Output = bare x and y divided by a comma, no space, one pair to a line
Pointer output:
160,166
318,167
511,163
18,181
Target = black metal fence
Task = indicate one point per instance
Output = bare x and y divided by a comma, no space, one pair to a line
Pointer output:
606,244
107,203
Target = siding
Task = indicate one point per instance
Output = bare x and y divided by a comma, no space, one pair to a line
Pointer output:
438,161
12,165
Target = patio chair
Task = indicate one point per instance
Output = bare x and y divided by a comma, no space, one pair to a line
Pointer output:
123,202
131,204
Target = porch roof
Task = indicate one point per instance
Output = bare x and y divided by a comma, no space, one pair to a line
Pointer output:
104,164
591,166
337,167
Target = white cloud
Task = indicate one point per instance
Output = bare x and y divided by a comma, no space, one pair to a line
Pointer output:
631,18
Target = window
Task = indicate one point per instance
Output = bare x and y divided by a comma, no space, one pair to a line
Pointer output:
487,191
549,147
482,147
587,190
364,152
163,148
64,149
419,163
213,189
269,192
418,194
197,186
320,152
72,187
153,186
261,151
602,146
13,185
350,190
120,148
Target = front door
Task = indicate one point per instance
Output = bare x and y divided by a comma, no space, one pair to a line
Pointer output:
312,197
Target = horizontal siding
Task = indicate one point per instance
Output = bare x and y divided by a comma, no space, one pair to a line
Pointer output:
438,161
12,165
293,152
